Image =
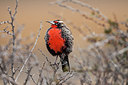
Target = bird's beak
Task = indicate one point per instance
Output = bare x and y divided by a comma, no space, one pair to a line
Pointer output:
51,22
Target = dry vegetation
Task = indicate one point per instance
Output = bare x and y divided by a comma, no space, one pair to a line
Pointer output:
109,50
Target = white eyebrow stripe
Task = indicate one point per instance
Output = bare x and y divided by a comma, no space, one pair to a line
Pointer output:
60,21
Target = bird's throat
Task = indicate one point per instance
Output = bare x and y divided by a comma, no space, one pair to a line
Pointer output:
53,26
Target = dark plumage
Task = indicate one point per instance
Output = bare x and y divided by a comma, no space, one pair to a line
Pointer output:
59,42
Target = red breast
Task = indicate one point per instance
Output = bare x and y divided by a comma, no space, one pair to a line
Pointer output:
56,42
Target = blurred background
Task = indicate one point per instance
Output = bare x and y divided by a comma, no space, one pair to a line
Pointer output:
31,12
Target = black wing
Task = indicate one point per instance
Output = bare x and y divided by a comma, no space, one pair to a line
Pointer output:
67,35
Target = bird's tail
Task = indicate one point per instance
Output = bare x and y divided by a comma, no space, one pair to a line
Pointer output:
65,62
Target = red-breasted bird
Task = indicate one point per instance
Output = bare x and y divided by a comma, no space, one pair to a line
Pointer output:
59,42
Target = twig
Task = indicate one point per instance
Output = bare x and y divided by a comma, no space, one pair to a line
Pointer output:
84,14
12,16
9,79
120,52
15,9
41,79
28,75
101,43
64,79
45,57
5,31
30,52
31,76
91,8
54,66
4,22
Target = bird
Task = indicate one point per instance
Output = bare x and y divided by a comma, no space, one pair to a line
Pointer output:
59,42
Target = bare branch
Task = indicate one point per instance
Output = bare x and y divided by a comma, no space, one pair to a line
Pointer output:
15,9
4,22
120,52
9,79
84,14
45,57
13,35
91,8
41,79
28,75
5,31
66,77
29,53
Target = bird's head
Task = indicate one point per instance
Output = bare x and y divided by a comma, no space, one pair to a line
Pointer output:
56,23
